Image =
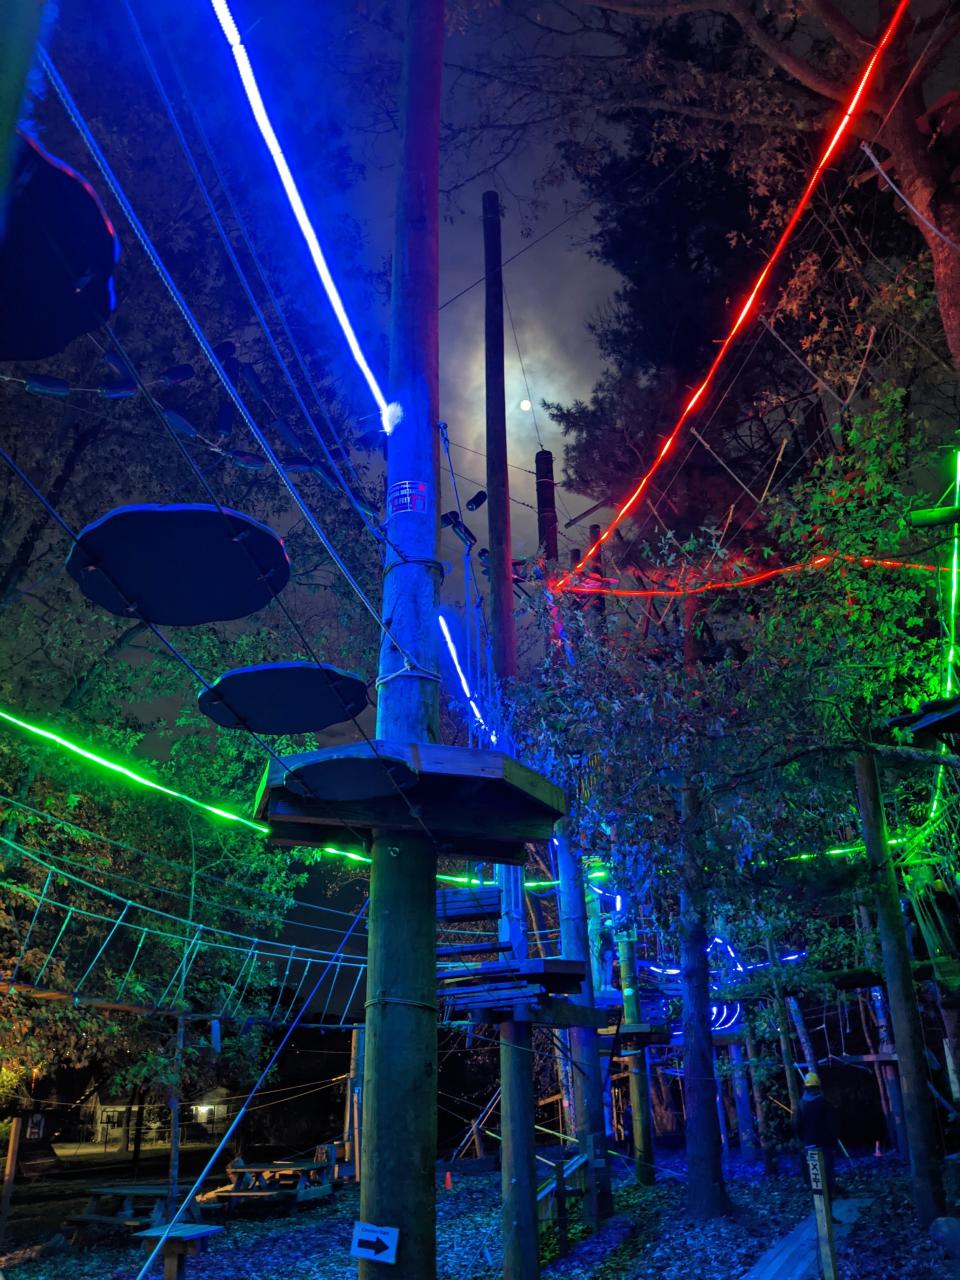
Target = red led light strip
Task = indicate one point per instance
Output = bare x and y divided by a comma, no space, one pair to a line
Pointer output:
863,84
753,579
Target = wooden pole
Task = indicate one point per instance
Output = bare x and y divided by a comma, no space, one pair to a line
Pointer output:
741,1097
10,1170
821,1204
399,1137
518,1181
546,505
584,1048
638,1076
173,1103
926,1169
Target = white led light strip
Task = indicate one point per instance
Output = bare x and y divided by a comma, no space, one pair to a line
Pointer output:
390,414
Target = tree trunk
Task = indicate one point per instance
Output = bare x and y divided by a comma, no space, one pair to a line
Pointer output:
923,171
584,1049
925,1159
741,1096
763,1128
706,1195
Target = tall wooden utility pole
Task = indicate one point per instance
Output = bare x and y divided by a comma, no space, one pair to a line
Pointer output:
926,1169
399,1139
584,1049
546,505
518,1175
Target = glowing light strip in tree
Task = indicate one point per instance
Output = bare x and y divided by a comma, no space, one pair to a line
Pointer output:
390,414
753,296
130,774
754,579
473,881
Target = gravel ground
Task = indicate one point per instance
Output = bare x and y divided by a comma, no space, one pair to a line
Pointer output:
650,1239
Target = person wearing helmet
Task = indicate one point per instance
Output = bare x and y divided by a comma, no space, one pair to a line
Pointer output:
816,1124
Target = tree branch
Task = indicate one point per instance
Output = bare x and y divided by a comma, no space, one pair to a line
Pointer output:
840,27
912,755
775,50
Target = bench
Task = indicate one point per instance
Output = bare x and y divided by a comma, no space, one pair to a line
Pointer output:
182,1240
116,1221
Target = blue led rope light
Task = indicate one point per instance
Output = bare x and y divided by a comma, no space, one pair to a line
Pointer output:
390,414
464,685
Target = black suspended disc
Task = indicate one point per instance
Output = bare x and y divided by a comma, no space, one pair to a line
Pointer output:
180,565
352,772
284,697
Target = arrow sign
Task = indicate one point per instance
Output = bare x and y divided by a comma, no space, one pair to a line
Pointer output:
378,1243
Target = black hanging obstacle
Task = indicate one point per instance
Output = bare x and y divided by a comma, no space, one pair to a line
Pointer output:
284,697
180,565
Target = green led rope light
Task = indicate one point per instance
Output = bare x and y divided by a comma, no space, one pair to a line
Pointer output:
352,856
131,775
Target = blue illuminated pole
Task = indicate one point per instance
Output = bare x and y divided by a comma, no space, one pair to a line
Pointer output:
399,1131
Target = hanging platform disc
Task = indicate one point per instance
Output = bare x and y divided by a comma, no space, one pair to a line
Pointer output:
180,565
475,804
284,697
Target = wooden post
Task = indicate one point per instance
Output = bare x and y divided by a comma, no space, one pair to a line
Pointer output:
518,1180
546,505
173,1103
638,1077
926,1169
10,1170
399,1137
763,1129
721,1107
561,1202
741,1097
584,1049
821,1205
352,1106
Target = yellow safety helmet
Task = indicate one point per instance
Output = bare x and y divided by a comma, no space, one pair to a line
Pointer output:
811,1080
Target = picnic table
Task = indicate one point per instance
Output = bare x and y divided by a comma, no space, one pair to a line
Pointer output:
180,1241
124,1207
289,1182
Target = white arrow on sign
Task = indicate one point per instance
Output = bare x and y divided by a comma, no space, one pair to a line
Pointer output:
378,1243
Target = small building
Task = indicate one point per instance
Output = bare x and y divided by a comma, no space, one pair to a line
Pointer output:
204,1117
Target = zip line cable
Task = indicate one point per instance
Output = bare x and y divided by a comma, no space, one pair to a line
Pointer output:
188,1199
390,414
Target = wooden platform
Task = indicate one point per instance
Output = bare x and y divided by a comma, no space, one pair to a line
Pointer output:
795,1256
478,805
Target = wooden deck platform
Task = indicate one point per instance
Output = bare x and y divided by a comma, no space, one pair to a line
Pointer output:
794,1257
